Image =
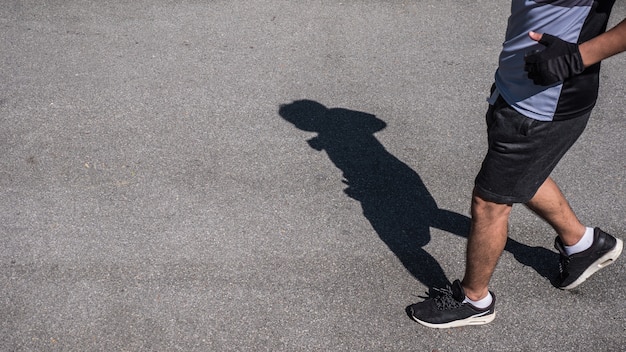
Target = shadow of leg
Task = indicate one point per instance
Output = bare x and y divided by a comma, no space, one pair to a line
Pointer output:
543,260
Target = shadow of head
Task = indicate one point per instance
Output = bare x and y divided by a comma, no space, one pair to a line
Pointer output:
306,115
311,116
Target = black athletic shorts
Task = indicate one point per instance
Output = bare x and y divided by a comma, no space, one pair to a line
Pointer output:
522,152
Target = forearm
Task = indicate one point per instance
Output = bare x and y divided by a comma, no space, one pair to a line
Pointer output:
605,45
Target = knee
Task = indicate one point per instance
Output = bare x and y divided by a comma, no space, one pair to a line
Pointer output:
482,208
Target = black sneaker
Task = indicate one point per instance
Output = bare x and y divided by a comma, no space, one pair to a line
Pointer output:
576,268
447,309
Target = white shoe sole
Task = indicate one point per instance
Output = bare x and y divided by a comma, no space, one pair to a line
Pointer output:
603,262
476,320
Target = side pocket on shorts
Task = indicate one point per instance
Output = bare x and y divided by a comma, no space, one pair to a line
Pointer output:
526,127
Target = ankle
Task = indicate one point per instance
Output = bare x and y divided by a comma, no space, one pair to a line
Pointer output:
482,303
571,237
585,242
475,294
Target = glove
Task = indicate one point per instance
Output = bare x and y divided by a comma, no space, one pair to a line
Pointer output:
557,62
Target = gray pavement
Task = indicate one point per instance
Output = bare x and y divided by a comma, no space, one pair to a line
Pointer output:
162,192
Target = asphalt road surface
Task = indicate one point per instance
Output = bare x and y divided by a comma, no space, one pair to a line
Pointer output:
272,175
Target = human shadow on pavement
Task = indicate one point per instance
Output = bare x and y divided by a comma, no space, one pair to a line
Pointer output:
393,197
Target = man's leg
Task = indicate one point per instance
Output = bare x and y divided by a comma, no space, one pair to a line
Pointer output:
550,204
485,244
469,302
583,251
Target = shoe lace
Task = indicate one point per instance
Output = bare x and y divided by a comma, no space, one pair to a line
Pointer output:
563,264
445,300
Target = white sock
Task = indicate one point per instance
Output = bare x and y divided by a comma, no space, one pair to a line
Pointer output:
482,303
585,242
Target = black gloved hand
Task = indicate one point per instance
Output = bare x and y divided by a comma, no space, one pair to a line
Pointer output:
557,62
